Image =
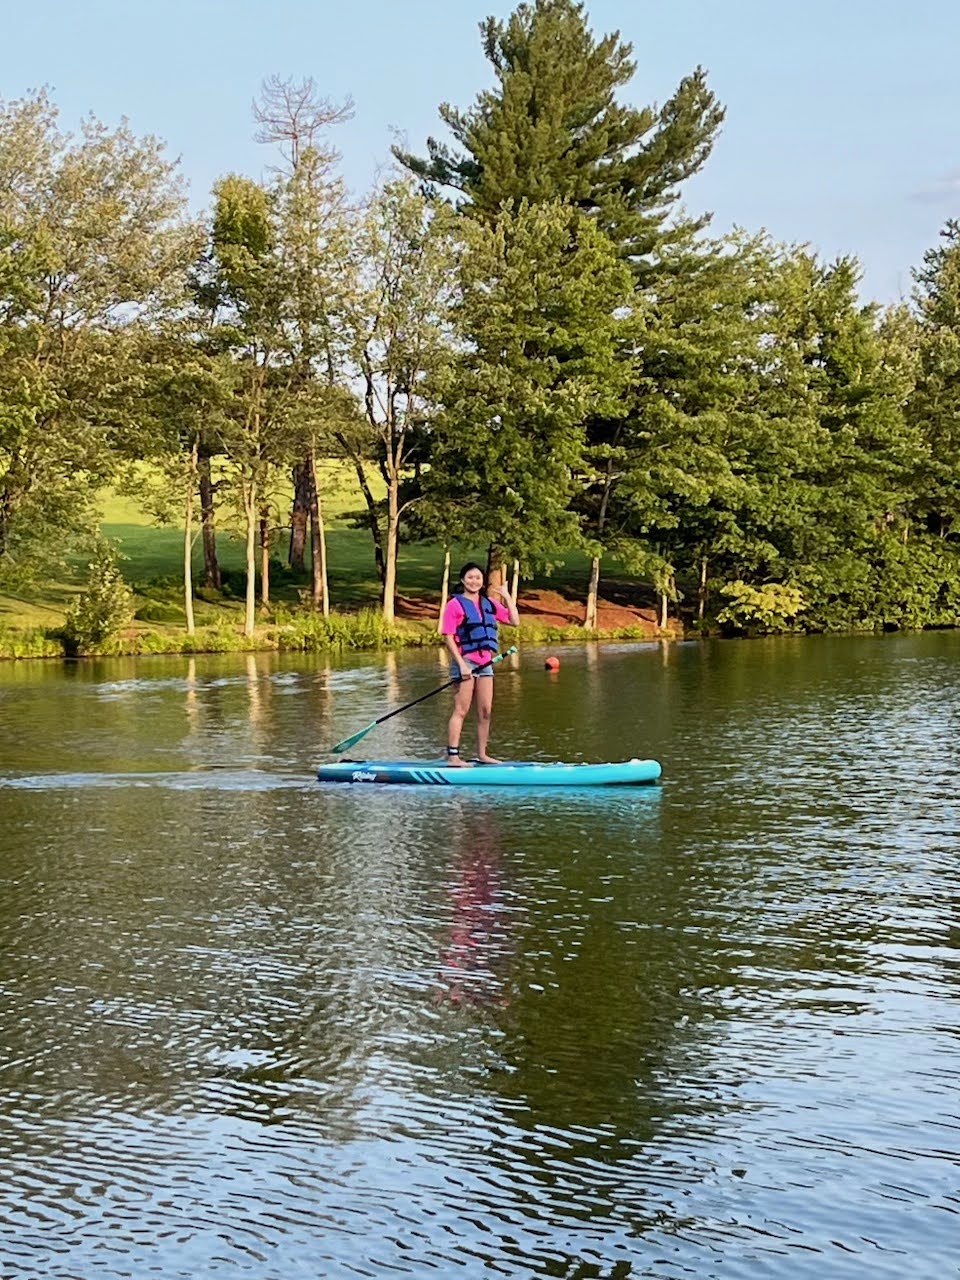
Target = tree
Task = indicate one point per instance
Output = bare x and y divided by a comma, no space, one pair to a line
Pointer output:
243,289
544,313
552,129
314,231
186,396
935,405
832,451
94,243
398,338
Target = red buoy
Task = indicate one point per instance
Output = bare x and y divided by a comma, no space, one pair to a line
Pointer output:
552,663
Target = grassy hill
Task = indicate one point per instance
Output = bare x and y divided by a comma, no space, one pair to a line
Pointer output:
152,558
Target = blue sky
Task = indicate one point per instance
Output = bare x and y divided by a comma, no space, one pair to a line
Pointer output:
842,115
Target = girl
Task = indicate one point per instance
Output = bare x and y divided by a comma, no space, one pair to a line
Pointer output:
469,628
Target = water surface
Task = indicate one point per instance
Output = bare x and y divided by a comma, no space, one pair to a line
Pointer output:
251,1026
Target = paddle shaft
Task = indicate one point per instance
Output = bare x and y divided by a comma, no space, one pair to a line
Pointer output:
351,741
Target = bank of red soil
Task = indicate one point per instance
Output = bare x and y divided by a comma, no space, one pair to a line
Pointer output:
552,608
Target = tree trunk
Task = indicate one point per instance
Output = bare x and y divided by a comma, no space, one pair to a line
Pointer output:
300,513
702,589
593,587
211,566
188,544
515,579
250,511
593,590
663,610
6,519
324,577
318,545
444,587
495,575
393,541
265,556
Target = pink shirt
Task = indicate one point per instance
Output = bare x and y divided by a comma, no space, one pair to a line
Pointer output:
455,613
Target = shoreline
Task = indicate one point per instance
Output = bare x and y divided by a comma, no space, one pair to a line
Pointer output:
546,618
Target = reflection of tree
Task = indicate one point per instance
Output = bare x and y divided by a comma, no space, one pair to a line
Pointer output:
602,1020
618,991
391,676
473,957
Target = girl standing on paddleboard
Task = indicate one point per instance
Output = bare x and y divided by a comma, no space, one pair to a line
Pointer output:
469,629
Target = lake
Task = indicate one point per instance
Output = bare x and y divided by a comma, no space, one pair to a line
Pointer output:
257,1027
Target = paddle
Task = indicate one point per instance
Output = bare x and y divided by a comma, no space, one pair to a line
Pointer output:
354,738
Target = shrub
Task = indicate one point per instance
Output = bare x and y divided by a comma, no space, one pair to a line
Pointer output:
33,642
102,608
364,630
160,611
771,608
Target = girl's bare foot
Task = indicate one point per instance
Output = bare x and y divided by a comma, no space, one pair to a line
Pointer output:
456,761
488,760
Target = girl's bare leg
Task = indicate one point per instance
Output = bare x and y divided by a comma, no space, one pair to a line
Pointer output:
461,705
484,700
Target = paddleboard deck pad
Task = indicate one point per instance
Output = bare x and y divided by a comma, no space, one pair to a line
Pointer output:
512,774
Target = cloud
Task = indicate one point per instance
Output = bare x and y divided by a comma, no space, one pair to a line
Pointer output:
944,190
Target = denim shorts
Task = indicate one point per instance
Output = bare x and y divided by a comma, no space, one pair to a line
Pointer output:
479,672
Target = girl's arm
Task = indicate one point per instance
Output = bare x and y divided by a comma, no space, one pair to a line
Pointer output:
509,603
465,668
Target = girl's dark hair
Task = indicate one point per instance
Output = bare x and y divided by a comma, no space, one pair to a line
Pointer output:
472,564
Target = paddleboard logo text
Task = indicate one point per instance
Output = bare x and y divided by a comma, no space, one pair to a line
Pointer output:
364,775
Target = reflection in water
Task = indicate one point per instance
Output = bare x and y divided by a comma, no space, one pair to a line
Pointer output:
391,674
192,700
255,1027
472,961
254,691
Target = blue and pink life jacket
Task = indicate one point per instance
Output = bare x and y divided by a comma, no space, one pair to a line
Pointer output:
477,630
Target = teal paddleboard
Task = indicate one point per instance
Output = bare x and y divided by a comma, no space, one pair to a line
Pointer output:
622,773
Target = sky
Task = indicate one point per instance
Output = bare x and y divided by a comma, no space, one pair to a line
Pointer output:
842,115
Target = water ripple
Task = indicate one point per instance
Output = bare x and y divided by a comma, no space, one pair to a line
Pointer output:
253,1027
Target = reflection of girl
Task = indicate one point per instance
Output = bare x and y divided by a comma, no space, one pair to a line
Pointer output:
477,935
469,628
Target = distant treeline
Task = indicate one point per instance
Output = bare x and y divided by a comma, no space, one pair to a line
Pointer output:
523,336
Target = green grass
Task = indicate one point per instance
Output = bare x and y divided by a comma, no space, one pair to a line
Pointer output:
152,565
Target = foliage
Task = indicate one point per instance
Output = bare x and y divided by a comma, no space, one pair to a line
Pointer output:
772,607
935,406
398,337
93,246
544,306
102,608
32,642
552,130
366,629
561,365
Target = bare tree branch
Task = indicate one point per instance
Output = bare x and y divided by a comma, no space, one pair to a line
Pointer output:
294,114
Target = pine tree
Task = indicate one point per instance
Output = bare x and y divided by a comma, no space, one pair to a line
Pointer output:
838,457
553,129
675,473
544,315
935,405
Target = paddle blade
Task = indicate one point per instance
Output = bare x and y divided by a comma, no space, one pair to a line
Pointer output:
354,738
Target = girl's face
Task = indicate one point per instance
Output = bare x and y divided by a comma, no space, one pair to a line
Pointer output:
472,580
